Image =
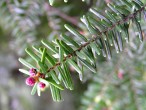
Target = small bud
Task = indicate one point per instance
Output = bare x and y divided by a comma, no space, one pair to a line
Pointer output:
81,32
30,81
120,74
32,72
42,85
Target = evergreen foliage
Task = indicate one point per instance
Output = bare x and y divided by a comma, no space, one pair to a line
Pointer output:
99,36
107,31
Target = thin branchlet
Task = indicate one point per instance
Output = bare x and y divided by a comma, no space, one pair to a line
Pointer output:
131,16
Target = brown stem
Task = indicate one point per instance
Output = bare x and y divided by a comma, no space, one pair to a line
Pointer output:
49,8
96,37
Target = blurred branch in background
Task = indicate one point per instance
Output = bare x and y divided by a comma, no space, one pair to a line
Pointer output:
54,11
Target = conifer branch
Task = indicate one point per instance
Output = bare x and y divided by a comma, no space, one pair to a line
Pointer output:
108,31
131,16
